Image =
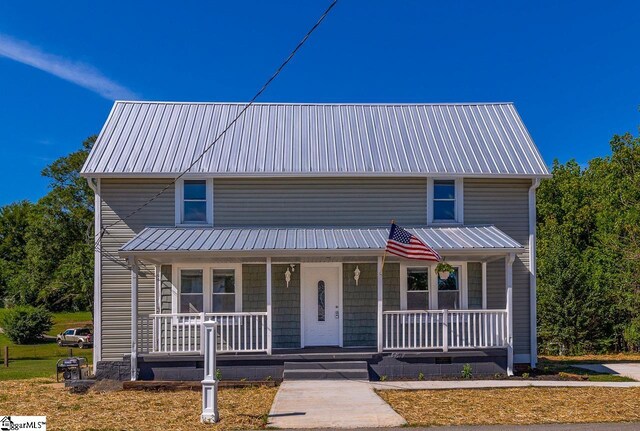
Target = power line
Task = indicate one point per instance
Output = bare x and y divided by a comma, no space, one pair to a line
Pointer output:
212,144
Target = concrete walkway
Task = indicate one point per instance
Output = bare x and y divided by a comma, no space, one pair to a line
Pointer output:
631,370
484,384
330,404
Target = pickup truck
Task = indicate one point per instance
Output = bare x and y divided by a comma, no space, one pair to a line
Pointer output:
81,337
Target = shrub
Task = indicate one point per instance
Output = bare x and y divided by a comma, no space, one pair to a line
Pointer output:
467,371
25,324
525,375
421,376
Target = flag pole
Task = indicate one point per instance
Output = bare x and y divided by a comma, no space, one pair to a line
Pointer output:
384,255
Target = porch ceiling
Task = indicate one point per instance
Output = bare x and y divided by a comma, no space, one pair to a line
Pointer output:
309,241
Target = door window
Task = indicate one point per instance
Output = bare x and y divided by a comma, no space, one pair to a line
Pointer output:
321,301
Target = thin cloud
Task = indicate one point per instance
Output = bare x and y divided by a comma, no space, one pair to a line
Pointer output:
80,74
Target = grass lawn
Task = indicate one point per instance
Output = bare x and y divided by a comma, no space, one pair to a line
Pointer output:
564,366
515,406
245,408
39,360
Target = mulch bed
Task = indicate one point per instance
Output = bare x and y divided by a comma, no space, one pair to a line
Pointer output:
515,406
243,408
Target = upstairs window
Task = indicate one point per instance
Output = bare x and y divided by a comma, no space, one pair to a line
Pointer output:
445,201
194,202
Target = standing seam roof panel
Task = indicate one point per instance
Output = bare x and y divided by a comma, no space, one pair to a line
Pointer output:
342,139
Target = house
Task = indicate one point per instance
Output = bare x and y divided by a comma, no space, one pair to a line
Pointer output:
278,232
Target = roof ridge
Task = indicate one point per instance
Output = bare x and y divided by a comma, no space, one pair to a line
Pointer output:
168,102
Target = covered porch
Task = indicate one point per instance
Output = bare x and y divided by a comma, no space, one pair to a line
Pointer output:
283,291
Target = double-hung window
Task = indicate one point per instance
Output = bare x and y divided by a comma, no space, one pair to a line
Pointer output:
417,288
194,202
191,284
449,291
444,201
223,291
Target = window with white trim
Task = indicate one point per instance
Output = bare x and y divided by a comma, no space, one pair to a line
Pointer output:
194,201
449,291
444,200
223,291
417,288
191,297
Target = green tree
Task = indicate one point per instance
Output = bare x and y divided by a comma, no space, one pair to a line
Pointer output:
50,261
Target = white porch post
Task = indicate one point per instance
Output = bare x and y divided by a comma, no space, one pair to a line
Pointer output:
209,384
269,316
380,327
134,318
508,271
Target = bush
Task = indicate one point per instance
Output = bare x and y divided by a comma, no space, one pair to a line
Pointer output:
25,324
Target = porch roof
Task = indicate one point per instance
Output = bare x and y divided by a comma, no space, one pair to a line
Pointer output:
269,240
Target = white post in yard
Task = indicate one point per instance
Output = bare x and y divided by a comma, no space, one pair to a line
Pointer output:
269,316
380,294
134,318
209,384
508,271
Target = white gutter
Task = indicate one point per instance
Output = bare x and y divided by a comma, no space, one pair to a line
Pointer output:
97,274
533,317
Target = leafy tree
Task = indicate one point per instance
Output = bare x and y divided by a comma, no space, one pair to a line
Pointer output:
589,250
46,248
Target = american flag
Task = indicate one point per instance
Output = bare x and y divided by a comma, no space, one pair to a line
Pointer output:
403,244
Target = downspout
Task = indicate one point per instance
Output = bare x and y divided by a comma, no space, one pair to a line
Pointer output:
94,184
533,316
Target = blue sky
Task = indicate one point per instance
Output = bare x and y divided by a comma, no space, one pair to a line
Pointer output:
572,68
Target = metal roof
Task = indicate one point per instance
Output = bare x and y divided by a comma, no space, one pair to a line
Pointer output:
183,239
272,139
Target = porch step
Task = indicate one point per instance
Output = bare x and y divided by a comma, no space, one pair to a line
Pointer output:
347,370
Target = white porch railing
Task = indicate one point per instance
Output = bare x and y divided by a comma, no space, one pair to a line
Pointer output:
184,332
444,329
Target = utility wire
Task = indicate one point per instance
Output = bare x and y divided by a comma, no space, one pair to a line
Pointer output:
212,144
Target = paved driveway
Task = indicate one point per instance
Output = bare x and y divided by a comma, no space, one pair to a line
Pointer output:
330,404
631,370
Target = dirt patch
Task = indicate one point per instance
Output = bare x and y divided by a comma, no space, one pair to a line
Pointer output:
244,408
515,406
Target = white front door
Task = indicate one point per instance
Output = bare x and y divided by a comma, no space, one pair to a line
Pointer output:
321,305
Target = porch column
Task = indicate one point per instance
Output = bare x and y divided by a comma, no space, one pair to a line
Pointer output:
508,271
134,318
380,327
269,316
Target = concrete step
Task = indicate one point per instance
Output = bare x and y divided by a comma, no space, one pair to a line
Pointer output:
328,365
326,375
338,370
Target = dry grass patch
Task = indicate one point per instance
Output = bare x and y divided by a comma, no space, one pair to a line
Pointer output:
244,408
517,406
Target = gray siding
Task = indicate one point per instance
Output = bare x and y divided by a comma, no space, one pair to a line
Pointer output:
254,288
474,284
496,295
360,305
391,287
505,204
319,201
165,288
285,304
119,198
